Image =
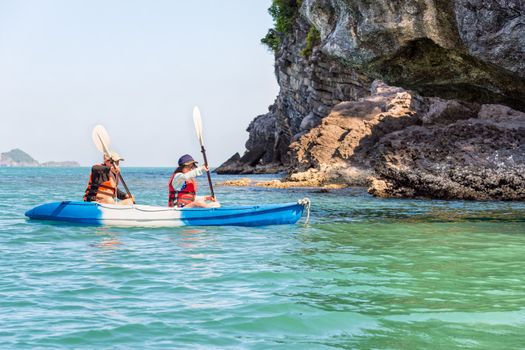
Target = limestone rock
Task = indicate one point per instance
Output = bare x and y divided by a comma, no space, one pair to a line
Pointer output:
452,128
500,113
481,158
494,30
352,128
235,183
231,166
362,30
442,111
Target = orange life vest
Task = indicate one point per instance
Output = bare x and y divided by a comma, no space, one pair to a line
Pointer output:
107,188
186,194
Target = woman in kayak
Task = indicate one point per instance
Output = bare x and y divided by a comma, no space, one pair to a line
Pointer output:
183,187
103,182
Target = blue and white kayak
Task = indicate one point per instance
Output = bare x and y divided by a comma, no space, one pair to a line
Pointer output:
91,213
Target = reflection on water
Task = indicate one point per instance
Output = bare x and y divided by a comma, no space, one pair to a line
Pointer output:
108,243
108,238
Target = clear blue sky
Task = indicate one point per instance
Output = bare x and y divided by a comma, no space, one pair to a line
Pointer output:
136,67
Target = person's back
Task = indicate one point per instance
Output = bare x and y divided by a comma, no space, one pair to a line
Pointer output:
103,182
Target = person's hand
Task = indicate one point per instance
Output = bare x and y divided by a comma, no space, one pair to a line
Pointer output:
115,168
205,168
210,198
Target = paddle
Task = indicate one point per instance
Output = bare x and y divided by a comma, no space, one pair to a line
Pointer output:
197,121
101,140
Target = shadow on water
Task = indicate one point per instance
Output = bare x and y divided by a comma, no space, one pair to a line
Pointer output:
355,205
442,216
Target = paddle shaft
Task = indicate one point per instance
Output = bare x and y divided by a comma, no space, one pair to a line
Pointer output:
208,172
125,186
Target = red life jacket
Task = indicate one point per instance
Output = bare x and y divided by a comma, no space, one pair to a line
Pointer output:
107,188
186,194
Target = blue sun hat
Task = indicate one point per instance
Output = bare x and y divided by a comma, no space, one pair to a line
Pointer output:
186,159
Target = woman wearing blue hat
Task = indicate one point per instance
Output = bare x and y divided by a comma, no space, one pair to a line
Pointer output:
183,187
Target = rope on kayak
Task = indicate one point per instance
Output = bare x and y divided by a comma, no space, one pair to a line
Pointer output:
306,203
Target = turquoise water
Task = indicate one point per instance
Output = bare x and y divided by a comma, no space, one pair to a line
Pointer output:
365,274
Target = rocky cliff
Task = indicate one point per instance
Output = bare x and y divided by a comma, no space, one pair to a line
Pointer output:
459,65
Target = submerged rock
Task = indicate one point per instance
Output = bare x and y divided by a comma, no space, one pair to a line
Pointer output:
235,183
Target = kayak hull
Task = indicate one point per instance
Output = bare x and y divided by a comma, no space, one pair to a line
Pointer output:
91,213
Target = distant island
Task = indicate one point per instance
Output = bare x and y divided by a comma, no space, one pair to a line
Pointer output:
16,157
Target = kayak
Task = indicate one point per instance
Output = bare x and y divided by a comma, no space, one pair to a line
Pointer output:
92,213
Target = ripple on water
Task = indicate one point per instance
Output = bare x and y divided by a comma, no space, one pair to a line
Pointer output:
366,273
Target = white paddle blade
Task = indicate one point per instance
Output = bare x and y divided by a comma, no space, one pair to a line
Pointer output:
197,121
101,139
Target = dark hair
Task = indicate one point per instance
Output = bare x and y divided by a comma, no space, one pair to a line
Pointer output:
179,169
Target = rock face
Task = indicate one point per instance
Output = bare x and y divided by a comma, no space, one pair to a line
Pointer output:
474,158
468,49
406,145
454,62
352,128
309,88
494,31
337,150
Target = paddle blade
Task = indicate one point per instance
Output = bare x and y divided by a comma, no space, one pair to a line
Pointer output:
101,139
197,121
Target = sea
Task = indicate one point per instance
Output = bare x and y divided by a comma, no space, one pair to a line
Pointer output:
363,273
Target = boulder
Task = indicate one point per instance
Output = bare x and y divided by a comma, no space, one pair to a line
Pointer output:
482,159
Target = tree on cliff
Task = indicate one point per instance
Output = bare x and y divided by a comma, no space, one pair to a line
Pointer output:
283,13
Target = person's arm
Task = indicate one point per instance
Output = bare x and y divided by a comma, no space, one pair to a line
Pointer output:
194,173
178,181
121,194
180,178
198,171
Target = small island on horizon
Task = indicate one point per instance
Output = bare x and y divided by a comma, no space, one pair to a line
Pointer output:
18,158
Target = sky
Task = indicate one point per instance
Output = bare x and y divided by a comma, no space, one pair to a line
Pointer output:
136,67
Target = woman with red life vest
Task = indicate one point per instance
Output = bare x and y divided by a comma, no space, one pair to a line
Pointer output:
103,182
183,187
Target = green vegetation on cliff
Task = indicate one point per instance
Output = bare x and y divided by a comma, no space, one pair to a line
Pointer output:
313,38
284,13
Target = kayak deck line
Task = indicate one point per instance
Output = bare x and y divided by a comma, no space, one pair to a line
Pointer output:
92,213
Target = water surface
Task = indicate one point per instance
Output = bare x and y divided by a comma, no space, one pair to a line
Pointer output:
366,273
